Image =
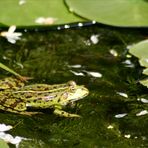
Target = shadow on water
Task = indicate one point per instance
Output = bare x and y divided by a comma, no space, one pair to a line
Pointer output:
59,56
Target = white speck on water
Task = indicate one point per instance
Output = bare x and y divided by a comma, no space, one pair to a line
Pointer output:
128,56
122,94
143,100
75,66
135,137
144,112
87,43
77,73
94,38
25,30
58,28
127,136
80,24
66,26
113,52
128,63
93,74
110,127
120,115
93,22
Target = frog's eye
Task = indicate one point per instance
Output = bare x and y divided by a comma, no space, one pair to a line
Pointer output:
72,85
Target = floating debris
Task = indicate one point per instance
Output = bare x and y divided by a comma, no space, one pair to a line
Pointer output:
128,63
143,138
77,73
87,43
80,24
94,74
75,66
122,94
94,39
143,100
46,21
9,138
128,56
10,35
110,127
127,136
113,52
4,127
93,22
120,115
66,26
135,137
144,112
58,28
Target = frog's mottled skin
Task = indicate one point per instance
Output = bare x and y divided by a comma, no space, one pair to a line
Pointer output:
16,97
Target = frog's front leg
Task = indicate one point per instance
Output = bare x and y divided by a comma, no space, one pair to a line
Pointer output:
62,113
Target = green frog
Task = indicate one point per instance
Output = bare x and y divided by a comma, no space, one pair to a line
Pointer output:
16,97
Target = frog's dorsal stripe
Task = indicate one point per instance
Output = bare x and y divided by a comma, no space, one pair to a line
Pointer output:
42,88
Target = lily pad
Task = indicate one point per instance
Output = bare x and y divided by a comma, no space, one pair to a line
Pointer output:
27,13
140,49
144,62
3,144
114,12
144,82
145,71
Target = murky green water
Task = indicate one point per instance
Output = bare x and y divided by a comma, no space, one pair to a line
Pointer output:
59,56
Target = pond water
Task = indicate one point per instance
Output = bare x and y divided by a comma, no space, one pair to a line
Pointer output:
96,57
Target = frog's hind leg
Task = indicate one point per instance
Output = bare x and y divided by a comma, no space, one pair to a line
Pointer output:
7,109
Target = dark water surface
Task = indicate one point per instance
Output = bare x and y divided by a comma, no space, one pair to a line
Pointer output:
59,56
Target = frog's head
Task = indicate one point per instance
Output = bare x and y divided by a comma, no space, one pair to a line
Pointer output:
75,92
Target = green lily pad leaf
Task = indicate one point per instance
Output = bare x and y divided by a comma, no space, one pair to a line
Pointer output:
35,12
144,62
145,71
112,12
144,82
3,144
140,50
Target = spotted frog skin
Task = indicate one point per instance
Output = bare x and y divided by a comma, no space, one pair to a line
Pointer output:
16,97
